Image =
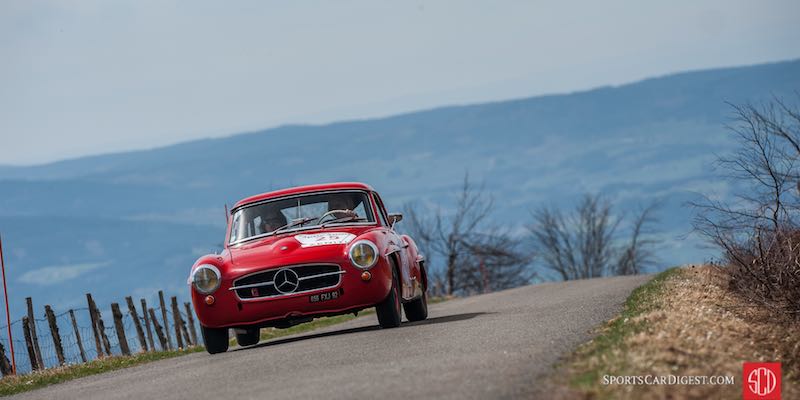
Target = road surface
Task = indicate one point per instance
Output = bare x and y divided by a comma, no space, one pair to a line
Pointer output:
498,345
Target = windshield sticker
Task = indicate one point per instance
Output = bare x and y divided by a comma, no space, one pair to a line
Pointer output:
324,239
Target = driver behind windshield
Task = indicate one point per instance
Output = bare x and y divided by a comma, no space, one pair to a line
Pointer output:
344,204
272,221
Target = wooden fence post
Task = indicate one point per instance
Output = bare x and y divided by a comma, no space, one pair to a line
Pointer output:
77,335
164,317
136,323
95,331
147,326
186,339
176,319
26,329
190,317
51,320
34,337
123,341
5,364
101,327
161,339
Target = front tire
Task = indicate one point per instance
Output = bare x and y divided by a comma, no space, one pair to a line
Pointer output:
215,339
249,338
389,310
417,310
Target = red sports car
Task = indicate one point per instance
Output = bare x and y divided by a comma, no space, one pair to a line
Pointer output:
296,254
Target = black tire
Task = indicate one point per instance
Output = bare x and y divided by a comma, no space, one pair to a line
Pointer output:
389,310
249,338
216,339
417,310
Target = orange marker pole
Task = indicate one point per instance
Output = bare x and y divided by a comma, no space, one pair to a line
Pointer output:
8,314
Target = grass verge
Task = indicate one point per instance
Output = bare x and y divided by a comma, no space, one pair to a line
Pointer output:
596,358
22,383
272,333
685,323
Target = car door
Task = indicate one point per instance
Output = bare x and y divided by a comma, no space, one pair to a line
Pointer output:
398,245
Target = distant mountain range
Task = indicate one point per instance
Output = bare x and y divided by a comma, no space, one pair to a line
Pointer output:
132,223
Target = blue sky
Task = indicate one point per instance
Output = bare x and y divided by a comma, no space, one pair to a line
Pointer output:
89,77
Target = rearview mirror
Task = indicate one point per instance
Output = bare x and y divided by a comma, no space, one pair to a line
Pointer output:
395,218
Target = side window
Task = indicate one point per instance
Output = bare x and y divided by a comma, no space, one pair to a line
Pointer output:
360,210
381,210
258,226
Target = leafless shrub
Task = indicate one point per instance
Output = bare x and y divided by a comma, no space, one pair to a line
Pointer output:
477,256
585,245
767,269
758,230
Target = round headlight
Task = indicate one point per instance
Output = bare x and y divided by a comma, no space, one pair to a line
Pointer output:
206,279
364,254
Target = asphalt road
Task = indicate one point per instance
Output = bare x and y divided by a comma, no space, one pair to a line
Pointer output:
498,345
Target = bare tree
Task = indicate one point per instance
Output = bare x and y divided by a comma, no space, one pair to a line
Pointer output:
763,168
476,255
638,254
576,246
758,229
421,227
496,261
584,244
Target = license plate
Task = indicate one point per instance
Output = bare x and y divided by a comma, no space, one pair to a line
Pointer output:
314,298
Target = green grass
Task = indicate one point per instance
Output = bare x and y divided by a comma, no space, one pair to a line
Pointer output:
16,384
267,334
272,333
613,334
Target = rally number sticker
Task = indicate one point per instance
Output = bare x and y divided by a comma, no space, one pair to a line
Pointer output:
324,239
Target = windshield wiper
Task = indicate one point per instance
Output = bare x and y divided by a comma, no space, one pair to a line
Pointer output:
294,223
343,219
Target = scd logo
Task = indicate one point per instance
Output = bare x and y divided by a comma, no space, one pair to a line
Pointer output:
761,381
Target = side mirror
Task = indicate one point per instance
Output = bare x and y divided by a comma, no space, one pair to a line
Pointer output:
395,218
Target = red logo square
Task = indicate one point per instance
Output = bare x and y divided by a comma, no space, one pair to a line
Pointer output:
761,381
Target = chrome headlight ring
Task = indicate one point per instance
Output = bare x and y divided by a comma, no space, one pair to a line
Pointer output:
206,278
364,254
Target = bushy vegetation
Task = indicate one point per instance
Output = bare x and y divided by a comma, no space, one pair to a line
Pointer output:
759,232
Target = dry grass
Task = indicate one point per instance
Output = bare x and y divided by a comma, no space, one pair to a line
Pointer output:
696,326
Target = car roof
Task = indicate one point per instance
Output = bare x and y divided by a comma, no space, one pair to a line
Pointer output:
302,189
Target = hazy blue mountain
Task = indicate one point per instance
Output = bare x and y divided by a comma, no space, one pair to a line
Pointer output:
125,223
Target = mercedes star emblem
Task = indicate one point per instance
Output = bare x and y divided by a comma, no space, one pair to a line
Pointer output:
286,281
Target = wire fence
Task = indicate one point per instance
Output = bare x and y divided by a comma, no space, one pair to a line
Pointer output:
78,340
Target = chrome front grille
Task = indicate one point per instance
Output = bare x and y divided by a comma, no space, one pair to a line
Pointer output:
287,281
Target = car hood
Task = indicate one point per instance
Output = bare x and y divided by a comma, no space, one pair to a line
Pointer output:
317,245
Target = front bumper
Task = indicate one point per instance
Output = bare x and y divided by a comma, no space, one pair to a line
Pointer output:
229,311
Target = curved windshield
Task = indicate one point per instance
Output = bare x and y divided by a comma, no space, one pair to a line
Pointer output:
299,212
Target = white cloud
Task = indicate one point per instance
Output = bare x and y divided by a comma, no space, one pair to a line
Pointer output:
56,274
94,247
